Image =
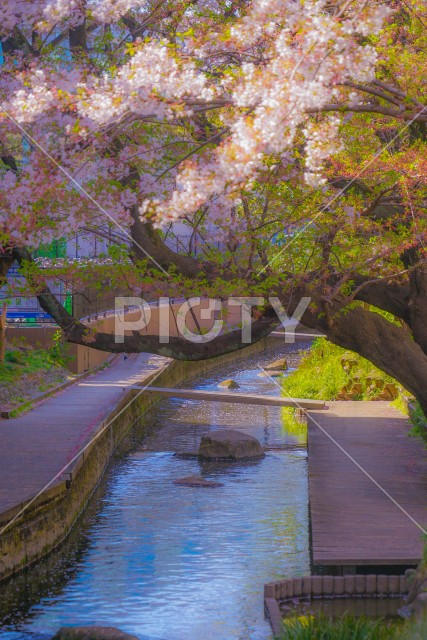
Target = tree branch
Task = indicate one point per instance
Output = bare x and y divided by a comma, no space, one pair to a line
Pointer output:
400,114
178,348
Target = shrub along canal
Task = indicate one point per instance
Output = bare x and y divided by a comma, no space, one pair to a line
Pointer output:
169,562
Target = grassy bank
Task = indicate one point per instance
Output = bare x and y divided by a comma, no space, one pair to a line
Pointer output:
351,628
328,372
27,372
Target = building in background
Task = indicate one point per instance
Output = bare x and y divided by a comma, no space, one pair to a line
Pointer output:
22,309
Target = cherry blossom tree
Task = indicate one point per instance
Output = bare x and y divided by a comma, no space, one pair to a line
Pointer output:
297,126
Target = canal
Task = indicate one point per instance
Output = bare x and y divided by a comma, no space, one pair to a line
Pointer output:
169,562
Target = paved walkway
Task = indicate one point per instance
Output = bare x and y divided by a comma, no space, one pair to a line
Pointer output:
35,446
352,521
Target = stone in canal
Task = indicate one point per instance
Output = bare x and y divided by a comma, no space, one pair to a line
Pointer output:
197,481
229,444
228,384
277,365
92,633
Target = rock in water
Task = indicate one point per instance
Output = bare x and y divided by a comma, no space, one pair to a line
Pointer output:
197,481
277,365
228,384
228,444
92,633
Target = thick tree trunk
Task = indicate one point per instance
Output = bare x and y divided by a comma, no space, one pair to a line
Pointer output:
178,348
148,245
6,262
417,306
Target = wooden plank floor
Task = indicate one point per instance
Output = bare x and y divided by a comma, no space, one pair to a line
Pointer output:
352,521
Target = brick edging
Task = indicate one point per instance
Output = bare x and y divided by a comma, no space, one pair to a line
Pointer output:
312,587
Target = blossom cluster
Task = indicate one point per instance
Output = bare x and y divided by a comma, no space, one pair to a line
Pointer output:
235,93
150,84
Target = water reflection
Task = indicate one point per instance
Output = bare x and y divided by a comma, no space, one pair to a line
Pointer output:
166,561
337,607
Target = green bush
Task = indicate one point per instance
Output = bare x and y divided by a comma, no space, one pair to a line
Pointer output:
14,356
418,420
345,628
29,362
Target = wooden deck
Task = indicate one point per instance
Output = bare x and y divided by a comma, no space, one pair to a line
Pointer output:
352,521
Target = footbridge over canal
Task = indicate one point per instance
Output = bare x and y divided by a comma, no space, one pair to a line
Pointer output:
232,396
